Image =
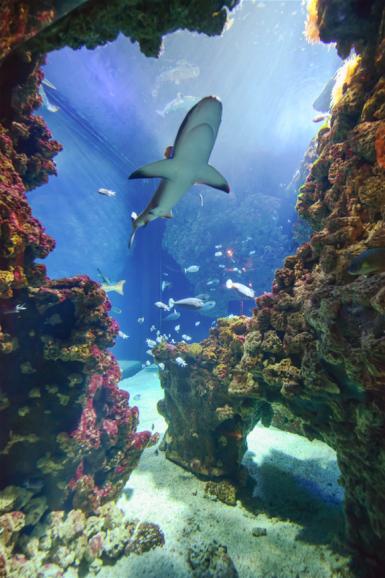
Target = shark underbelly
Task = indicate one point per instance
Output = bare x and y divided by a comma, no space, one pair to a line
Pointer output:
172,192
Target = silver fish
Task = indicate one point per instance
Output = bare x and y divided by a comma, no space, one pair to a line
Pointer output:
192,269
243,290
188,302
172,316
106,192
162,305
180,102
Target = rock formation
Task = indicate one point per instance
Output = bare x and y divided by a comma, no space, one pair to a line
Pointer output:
68,439
316,344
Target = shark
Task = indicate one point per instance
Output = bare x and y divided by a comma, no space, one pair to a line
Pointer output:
185,165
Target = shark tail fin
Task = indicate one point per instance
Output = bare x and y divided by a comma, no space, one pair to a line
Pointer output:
213,178
171,303
120,287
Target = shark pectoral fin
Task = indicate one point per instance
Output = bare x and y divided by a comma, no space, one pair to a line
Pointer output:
164,169
168,215
213,178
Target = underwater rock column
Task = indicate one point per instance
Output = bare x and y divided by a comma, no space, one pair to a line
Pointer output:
207,428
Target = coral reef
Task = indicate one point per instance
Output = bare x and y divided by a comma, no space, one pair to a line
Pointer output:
96,23
222,491
71,542
315,345
206,434
211,561
68,440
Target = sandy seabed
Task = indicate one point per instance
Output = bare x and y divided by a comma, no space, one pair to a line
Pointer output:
296,498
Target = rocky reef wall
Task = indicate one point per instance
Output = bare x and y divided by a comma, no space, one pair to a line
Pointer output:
68,437
316,344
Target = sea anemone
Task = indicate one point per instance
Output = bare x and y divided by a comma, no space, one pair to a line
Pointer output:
344,76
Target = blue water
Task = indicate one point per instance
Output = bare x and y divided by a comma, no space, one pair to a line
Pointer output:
267,77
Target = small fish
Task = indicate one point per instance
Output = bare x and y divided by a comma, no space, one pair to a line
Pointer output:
123,335
160,338
320,117
164,285
180,361
208,305
46,102
150,343
251,252
203,296
161,366
162,305
192,269
222,266
137,397
140,320
49,83
17,309
213,282
183,70
116,310
149,352
197,323
172,316
180,102
152,328
117,287
169,152
106,192
148,363
369,261
188,302
186,337
177,328
218,254
105,279
158,331
218,246
243,290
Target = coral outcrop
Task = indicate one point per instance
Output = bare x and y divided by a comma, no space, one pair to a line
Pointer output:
211,561
72,542
68,439
96,23
315,344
